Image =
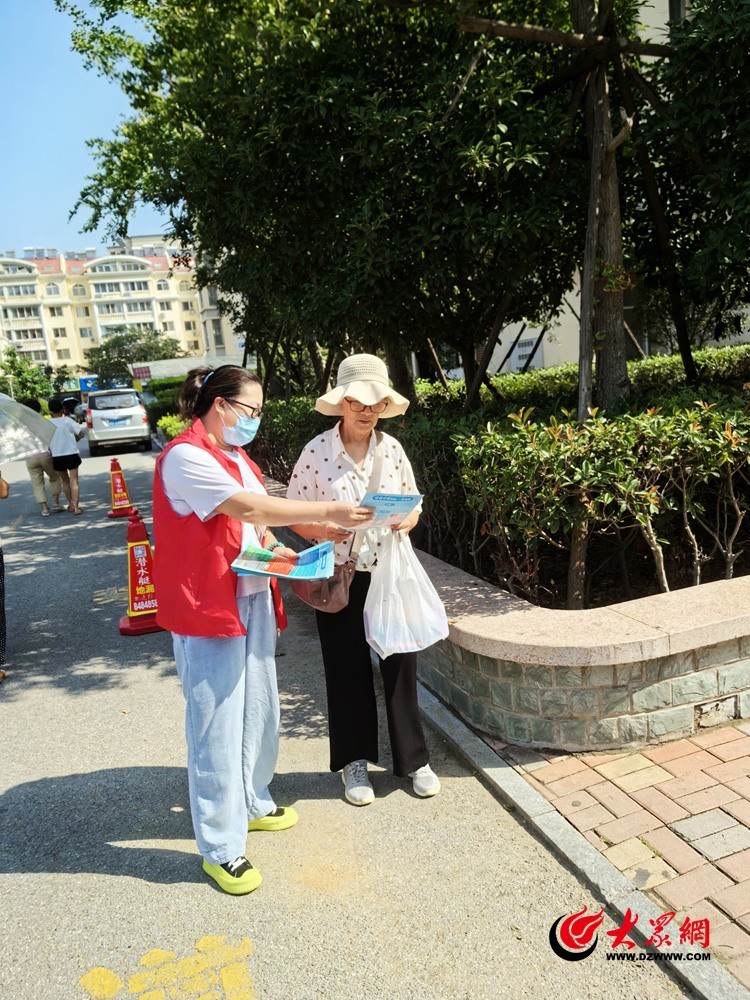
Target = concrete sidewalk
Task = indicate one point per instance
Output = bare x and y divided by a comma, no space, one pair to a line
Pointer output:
102,892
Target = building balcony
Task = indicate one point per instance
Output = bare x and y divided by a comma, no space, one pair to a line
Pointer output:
23,321
29,345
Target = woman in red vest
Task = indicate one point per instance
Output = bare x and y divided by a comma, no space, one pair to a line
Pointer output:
209,502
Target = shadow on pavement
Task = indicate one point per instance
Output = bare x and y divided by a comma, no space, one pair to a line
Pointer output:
66,580
77,824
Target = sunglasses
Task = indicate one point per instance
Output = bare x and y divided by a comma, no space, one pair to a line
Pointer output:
356,407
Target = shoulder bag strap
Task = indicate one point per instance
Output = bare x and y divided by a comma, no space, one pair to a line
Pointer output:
377,465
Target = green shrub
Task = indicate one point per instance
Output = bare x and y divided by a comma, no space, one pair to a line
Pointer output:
653,497
157,409
171,425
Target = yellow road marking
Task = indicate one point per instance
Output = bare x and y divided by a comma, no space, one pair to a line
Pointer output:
217,971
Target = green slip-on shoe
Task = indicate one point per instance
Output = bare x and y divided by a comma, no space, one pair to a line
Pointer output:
236,877
280,819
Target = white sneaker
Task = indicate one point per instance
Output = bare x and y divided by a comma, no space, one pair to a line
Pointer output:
425,782
357,787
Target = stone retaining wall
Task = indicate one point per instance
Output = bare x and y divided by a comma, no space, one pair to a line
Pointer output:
577,708
640,672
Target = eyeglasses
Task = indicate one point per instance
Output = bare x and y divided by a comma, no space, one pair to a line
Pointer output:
256,412
357,407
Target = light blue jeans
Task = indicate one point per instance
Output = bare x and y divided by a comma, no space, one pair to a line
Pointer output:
231,727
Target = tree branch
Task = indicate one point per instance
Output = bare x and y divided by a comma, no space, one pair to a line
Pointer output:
618,140
566,39
474,63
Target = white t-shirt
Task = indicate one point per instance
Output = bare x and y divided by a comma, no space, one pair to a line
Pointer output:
195,483
64,442
326,471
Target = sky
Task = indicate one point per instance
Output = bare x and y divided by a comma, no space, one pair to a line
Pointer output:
52,105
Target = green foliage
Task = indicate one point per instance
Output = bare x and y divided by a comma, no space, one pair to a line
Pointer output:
171,425
165,386
322,158
27,378
699,140
111,359
284,431
505,486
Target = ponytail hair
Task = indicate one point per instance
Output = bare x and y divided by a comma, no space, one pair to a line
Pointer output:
203,385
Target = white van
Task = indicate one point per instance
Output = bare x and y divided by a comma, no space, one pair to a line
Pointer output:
116,416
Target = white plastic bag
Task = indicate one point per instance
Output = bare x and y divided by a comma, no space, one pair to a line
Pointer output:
403,612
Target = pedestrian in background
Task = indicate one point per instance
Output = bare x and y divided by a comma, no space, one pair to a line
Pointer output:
4,491
38,466
335,465
64,449
209,504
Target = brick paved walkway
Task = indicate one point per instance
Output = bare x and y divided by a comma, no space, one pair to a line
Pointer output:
675,819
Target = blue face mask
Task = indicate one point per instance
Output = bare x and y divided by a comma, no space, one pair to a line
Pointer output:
244,430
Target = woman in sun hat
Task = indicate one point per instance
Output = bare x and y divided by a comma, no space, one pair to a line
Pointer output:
337,465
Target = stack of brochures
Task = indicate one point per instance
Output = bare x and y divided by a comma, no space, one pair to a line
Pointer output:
315,563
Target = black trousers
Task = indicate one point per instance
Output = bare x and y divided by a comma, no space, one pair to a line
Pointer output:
352,709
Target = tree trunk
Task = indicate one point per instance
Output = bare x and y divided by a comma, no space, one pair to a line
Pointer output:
602,316
316,356
612,382
399,371
469,365
579,541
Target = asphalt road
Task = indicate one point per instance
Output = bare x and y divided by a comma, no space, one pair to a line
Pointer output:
101,888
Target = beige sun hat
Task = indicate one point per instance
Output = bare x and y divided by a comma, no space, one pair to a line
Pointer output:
363,377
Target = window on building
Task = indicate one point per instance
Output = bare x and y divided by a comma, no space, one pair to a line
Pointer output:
167,326
109,308
22,312
213,297
106,287
165,307
79,291
82,311
17,291
193,345
189,325
51,289
135,286
184,286
162,285
36,355
63,355
104,268
218,334
525,343
85,332
188,307
143,307
59,332
55,310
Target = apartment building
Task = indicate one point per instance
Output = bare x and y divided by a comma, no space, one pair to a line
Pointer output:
54,305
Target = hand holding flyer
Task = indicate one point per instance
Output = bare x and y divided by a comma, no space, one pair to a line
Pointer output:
390,508
315,563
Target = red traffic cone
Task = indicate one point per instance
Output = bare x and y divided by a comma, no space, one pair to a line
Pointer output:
141,616
121,505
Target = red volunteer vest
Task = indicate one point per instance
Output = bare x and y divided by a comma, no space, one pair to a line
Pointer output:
195,583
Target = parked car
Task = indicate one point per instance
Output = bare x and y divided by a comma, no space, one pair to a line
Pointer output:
116,416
